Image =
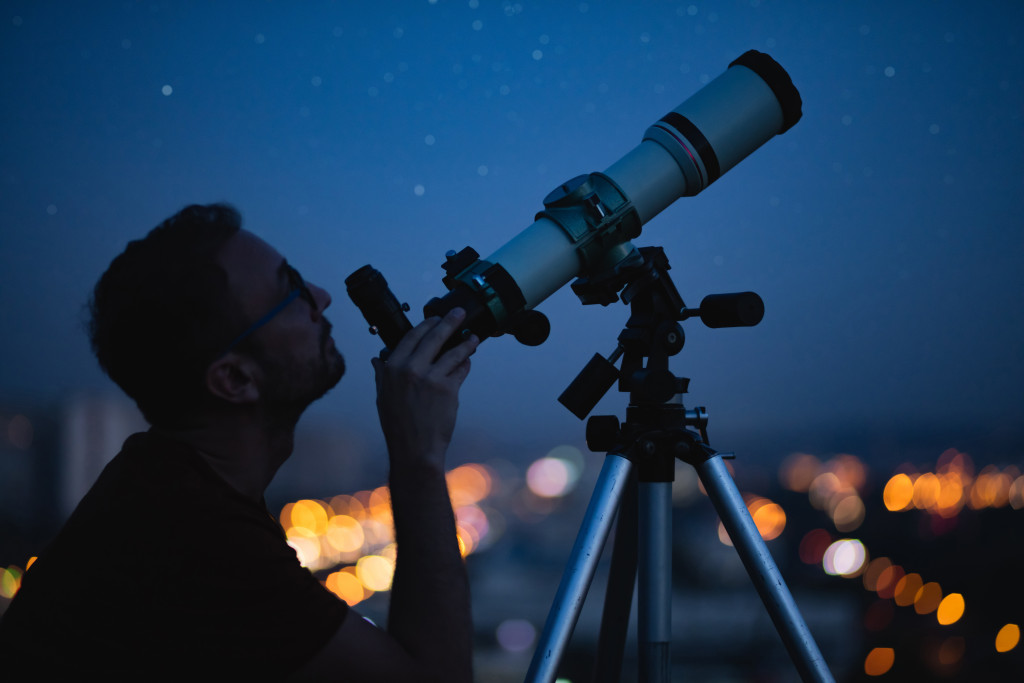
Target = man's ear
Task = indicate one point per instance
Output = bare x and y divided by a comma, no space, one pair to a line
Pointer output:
233,378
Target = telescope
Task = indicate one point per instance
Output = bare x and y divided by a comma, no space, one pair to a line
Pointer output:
588,222
585,232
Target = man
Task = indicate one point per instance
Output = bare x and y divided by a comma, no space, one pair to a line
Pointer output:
171,567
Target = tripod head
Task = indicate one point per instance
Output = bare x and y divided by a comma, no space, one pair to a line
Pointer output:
652,335
652,332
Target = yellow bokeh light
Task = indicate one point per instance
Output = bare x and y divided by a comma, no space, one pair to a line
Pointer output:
1007,638
769,517
10,581
950,609
390,553
468,484
377,533
928,598
926,491
345,534
379,506
307,514
951,494
899,493
471,524
348,505
347,586
879,661
992,488
307,548
468,539
375,572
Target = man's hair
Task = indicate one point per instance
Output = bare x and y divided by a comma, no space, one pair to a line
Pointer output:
163,310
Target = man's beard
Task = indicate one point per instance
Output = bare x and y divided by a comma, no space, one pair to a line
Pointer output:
291,386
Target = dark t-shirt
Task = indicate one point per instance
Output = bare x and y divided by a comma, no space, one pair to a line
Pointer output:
164,571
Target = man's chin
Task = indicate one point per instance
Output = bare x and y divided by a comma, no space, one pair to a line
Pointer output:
335,365
334,370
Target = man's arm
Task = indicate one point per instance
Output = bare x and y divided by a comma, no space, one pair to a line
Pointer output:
429,634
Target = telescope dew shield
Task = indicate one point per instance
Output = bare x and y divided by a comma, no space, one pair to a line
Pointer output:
716,129
680,155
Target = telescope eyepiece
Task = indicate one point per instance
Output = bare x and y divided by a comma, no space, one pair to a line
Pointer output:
370,293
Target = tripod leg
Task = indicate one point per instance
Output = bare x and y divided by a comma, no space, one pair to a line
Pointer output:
762,570
618,599
579,572
655,581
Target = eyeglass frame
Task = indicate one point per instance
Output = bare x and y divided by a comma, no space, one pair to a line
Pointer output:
300,289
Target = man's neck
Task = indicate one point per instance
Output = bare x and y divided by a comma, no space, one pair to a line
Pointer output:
246,454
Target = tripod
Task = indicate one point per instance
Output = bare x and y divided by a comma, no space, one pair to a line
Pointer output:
636,481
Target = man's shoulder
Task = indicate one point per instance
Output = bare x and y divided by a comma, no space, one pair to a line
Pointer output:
156,468
159,552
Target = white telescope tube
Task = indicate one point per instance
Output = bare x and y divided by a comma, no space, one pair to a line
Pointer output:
681,154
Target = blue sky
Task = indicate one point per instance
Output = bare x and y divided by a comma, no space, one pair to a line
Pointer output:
883,231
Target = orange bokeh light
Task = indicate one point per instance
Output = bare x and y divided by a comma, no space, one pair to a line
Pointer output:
1007,638
879,661
887,580
769,517
950,609
928,598
899,493
906,589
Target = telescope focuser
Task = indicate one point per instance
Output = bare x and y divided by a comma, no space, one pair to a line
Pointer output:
493,302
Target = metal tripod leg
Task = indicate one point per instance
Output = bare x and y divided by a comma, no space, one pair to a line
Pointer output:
654,573
762,570
618,598
654,581
579,572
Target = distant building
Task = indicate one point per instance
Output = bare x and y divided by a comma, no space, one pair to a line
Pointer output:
92,430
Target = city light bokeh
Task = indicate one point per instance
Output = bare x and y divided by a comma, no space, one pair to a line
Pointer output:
829,513
352,538
942,493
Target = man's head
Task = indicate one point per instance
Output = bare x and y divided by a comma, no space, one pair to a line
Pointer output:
168,314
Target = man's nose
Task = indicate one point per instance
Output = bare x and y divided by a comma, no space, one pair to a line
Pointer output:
321,300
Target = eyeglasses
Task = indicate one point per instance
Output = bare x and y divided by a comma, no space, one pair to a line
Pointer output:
298,288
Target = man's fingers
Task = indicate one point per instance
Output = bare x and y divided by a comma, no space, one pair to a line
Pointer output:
451,361
442,332
408,344
427,338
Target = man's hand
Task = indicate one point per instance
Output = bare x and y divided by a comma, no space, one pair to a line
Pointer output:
418,391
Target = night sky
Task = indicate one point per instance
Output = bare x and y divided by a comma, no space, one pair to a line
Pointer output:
883,231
